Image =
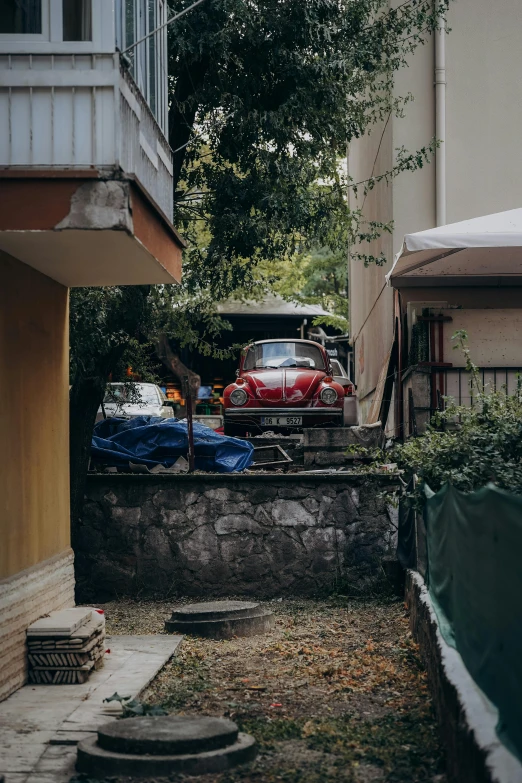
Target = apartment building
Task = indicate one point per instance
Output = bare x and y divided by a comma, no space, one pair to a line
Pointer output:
86,195
467,93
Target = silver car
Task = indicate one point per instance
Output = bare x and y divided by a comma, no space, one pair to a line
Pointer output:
135,399
340,375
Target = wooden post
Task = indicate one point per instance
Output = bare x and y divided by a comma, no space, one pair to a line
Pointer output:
412,416
187,393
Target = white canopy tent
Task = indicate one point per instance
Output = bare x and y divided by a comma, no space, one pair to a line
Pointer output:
482,251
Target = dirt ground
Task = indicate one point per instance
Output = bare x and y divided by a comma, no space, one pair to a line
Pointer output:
336,693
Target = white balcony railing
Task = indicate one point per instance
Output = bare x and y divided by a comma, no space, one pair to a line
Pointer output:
80,111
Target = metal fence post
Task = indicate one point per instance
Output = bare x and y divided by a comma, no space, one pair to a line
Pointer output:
187,393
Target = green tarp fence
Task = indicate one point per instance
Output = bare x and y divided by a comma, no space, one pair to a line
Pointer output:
475,580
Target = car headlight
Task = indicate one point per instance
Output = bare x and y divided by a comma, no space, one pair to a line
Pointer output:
328,395
238,397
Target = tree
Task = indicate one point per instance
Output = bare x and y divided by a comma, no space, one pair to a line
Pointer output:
264,96
315,276
112,329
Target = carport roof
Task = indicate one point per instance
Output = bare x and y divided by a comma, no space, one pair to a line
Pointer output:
270,304
485,250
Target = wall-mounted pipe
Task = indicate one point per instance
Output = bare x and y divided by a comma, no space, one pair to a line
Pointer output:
349,249
440,123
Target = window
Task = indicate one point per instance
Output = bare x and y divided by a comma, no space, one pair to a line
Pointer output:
132,394
130,22
23,17
152,57
271,356
77,20
148,60
338,369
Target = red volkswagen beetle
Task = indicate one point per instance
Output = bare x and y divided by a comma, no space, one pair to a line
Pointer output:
283,385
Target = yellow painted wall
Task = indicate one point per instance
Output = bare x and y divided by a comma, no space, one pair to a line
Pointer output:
34,439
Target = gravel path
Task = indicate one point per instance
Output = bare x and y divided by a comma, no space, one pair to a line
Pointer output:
336,693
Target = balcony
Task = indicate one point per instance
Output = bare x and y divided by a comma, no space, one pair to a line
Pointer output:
77,136
80,112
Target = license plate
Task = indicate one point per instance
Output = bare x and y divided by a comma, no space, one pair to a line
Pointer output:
281,421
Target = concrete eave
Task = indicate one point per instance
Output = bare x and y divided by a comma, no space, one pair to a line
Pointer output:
88,231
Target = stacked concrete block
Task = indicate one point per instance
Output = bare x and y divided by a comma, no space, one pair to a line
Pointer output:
327,447
65,646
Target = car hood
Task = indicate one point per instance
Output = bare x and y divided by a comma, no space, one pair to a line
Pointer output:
290,385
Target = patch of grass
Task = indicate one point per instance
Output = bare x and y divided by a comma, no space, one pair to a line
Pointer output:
395,743
268,731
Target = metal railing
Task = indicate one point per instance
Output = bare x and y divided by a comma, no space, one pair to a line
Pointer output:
144,150
431,389
453,384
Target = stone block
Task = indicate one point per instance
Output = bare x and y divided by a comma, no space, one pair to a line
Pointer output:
343,509
126,516
235,523
173,499
201,545
292,514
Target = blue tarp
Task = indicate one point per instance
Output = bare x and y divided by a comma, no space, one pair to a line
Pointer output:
150,440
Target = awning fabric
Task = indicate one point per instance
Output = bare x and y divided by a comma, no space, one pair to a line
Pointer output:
472,251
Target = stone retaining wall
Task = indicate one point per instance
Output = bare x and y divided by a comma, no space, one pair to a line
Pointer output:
263,535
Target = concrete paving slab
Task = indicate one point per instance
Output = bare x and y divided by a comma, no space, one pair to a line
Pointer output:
38,720
41,777
57,759
69,737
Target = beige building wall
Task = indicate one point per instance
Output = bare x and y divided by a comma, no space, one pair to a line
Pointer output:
371,327
36,564
483,108
483,161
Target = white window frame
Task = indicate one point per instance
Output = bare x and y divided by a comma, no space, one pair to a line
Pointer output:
50,41
140,56
32,37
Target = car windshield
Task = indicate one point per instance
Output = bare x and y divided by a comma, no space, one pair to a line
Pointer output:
267,356
338,369
131,394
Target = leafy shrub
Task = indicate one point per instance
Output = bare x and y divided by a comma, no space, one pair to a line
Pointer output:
467,447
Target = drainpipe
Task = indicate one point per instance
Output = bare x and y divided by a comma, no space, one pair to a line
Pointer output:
440,123
348,249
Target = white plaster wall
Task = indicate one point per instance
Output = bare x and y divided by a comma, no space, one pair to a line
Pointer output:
494,337
369,155
408,201
484,107
414,192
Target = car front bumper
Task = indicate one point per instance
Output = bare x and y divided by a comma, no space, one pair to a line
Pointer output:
311,417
